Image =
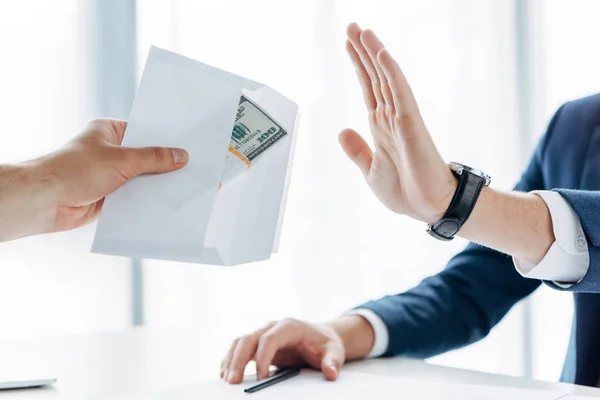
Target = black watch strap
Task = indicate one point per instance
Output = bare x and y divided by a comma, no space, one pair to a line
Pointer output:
461,206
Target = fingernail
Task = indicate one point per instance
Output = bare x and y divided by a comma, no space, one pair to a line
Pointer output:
224,374
231,376
180,156
331,365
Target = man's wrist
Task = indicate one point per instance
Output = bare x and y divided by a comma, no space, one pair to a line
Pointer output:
380,330
567,261
442,205
515,223
356,333
28,201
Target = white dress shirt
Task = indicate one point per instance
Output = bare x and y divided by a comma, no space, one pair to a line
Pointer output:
565,263
567,260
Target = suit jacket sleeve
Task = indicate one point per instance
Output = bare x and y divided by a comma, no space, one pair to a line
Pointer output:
461,304
578,117
587,206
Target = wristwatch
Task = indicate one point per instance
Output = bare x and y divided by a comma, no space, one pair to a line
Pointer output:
470,183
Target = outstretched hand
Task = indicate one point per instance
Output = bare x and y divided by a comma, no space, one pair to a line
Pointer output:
405,170
94,164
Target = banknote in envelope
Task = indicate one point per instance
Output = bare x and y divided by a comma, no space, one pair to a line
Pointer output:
243,143
255,132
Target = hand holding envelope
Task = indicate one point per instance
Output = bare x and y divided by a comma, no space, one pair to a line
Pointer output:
183,216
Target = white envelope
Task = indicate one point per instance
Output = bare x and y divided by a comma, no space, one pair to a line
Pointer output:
182,216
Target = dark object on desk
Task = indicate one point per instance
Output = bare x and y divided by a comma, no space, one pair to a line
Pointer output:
26,383
279,376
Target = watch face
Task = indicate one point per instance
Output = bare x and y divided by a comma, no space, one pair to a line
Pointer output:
460,168
474,171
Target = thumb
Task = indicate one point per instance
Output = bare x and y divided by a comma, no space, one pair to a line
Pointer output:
158,160
356,149
332,362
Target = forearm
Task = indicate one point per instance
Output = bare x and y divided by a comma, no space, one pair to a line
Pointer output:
357,335
518,224
27,202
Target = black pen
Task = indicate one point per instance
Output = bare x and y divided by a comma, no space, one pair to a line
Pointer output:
279,376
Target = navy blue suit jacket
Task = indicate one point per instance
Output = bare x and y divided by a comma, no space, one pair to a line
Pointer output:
461,304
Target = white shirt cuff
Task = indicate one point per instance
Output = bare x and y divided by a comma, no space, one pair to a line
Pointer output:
567,260
380,343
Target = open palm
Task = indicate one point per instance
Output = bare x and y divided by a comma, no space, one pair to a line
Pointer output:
405,170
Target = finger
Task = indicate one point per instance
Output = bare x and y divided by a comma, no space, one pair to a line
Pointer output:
283,335
242,354
373,45
157,160
332,361
363,77
405,104
227,360
353,32
356,149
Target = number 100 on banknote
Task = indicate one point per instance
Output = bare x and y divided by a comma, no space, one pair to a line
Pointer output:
254,134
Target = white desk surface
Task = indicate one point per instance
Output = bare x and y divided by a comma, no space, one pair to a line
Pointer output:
92,366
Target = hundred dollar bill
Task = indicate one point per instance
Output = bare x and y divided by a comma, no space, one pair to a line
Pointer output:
254,133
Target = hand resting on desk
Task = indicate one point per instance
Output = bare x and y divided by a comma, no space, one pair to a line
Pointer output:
291,342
